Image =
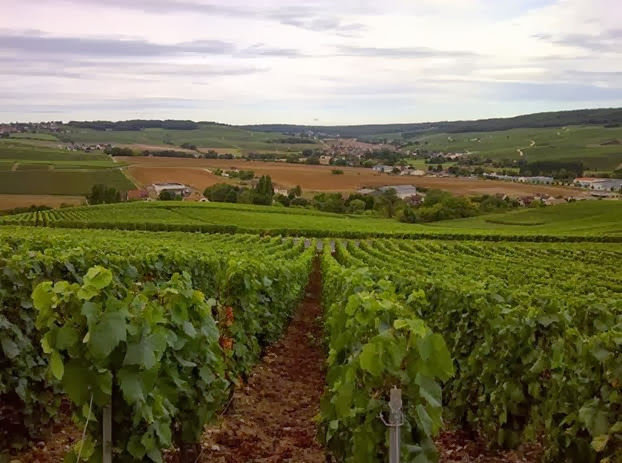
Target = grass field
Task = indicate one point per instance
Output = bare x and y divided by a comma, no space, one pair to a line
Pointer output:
577,143
52,182
580,217
206,137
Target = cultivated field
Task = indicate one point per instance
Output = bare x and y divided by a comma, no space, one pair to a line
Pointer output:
319,178
59,182
227,139
595,219
13,201
580,217
589,144
178,322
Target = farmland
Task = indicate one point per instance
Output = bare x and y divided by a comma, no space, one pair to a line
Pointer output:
28,169
319,178
206,137
576,143
422,315
585,216
598,220
58,182
13,201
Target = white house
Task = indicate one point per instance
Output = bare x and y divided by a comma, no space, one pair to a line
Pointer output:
177,188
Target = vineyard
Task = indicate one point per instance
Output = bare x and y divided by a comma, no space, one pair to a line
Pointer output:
596,221
514,342
535,334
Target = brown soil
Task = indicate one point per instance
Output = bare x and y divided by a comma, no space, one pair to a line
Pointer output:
196,177
461,447
320,178
271,418
11,201
60,439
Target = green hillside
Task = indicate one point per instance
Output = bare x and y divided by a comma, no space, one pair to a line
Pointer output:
598,147
584,218
205,136
599,217
599,116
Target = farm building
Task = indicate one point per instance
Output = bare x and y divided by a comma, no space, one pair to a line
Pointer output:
403,191
382,168
600,184
177,188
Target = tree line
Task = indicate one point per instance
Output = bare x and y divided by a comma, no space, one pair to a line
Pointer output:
609,117
136,124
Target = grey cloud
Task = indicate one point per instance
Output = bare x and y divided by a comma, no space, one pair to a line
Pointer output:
406,52
305,17
260,50
90,103
610,40
37,44
36,48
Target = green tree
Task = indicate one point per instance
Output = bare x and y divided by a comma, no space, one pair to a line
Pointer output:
300,202
264,191
101,194
356,206
282,199
388,202
166,195
408,215
295,192
221,193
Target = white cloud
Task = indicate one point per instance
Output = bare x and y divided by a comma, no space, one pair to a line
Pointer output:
350,61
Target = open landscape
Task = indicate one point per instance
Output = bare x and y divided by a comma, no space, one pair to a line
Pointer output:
280,231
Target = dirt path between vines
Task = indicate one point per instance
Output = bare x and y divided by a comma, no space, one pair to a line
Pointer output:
271,418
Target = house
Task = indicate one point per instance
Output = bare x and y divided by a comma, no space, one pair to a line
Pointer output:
136,195
586,182
366,191
608,185
382,168
281,191
415,200
540,179
178,189
403,191
325,160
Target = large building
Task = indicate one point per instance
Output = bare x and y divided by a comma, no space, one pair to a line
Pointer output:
599,184
178,189
403,191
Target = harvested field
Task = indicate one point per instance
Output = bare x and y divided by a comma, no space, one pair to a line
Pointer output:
196,177
320,178
13,201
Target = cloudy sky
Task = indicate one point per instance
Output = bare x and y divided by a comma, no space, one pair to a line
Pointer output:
306,61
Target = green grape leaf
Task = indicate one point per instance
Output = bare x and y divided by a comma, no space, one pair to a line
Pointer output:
75,382
370,359
107,334
98,277
143,352
66,337
56,365
42,296
131,385
9,347
430,390
599,443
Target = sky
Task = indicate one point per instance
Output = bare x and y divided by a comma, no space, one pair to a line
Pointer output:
319,62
